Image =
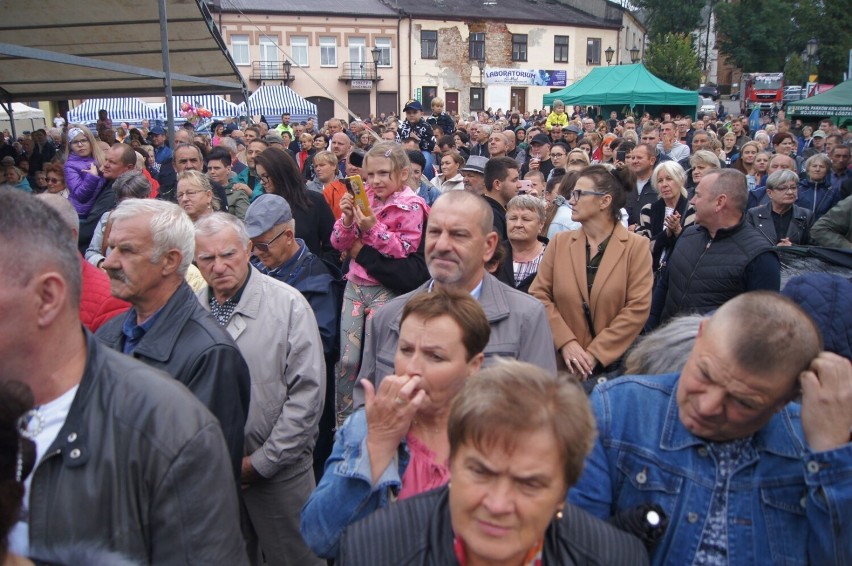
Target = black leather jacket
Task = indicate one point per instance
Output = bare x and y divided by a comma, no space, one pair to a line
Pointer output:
139,467
187,343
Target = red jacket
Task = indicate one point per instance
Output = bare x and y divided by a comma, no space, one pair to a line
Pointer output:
97,305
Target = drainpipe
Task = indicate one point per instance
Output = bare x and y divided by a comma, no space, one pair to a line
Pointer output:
410,74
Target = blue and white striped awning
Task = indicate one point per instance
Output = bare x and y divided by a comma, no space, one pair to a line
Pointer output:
220,107
273,100
130,110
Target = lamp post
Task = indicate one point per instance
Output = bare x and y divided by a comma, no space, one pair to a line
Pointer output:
376,53
609,53
809,55
481,64
287,67
634,54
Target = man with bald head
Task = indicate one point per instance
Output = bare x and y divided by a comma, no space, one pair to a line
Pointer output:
341,145
460,239
717,258
743,474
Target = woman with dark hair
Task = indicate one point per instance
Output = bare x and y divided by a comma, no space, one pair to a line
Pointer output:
599,297
279,175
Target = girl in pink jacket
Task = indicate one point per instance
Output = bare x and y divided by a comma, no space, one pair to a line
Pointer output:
394,228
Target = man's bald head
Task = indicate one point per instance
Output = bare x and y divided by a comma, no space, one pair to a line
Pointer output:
475,207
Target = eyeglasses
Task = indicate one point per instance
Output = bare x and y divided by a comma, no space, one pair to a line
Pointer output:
577,193
264,246
53,180
83,141
557,155
189,193
264,178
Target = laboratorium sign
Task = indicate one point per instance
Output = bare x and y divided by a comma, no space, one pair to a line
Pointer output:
525,77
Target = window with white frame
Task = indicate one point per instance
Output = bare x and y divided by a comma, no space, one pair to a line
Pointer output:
357,49
240,49
328,51
384,45
299,49
593,51
269,58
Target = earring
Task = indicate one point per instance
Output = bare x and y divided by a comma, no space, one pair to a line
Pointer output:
559,514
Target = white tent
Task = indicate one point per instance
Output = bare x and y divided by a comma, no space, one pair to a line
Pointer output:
27,119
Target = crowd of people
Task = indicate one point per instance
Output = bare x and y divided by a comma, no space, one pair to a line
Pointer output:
227,350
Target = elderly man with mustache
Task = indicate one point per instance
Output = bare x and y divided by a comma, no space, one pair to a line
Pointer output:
153,243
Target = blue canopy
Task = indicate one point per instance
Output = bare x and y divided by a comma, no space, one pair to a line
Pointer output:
273,100
130,110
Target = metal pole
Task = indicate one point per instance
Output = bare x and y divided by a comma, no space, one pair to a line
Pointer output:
167,80
8,108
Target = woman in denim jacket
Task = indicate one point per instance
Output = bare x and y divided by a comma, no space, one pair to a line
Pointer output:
396,446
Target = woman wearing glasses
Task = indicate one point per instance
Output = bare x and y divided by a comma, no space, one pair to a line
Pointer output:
82,169
599,296
279,175
195,195
780,220
54,174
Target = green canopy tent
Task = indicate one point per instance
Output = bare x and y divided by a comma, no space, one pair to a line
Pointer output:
835,103
623,87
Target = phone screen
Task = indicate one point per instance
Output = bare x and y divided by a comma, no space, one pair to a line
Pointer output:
620,156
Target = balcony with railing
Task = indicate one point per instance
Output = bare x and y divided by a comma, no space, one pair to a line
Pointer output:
268,71
359,70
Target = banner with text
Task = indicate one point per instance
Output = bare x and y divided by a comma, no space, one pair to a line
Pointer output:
525,77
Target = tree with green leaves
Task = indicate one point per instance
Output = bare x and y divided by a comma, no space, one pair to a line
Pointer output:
755,35
666,16
672,58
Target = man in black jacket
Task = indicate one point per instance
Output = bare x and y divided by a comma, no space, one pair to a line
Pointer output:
127,457
166,327
718,257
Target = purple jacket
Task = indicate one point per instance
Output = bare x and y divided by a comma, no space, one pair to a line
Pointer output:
83,187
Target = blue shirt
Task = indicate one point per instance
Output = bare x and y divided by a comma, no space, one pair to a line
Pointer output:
784,503
133,333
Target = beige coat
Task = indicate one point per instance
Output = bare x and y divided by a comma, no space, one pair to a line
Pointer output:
620,300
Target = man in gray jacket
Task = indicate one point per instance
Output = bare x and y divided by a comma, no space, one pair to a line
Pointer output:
276,331
127,457
460,239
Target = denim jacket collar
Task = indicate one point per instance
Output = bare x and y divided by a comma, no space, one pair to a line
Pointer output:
777,437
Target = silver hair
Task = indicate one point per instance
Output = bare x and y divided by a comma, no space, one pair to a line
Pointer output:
780,178
818,157
486,128
665,350
229,144
212,224
131,184
64,208
676,172
527,202
171,228
705,156
35,238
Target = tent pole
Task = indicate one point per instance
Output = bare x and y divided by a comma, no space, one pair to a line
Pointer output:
167,79
7,106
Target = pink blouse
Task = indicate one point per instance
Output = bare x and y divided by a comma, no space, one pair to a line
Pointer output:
422,473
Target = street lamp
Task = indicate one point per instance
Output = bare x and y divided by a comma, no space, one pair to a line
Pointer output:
634,54
609,53
481,64
287,66
376,53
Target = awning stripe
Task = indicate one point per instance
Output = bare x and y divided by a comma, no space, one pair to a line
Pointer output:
273,100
